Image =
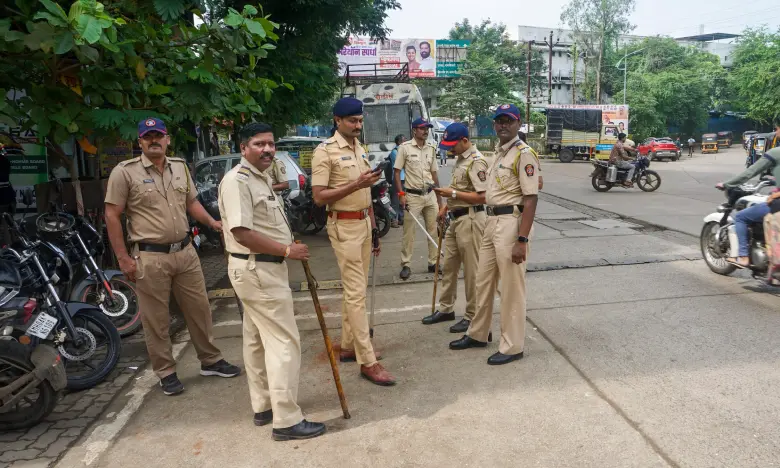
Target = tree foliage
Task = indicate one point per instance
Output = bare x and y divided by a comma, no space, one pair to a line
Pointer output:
89,69
669,85
755,75
494,72
596,25
311,33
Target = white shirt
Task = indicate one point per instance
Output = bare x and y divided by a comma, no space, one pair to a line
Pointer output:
428,64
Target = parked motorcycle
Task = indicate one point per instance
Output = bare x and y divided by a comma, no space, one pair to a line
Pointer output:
304,216
718,238
85,338
383,211
606,176
30,377
207,198
109,289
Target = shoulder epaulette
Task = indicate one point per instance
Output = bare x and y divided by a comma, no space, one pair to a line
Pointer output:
177,160
329,140
130,161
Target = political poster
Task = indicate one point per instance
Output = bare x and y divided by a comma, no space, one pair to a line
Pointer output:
424,57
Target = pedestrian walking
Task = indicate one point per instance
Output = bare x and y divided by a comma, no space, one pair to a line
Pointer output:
466,208
342,179
511,199
259,241
156,193
443,156
417,157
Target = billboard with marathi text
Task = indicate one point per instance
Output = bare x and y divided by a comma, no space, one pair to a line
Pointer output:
427,58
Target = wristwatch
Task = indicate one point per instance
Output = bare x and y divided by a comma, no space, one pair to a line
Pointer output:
522,239
454,194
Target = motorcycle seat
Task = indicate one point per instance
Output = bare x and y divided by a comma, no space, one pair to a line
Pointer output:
9,275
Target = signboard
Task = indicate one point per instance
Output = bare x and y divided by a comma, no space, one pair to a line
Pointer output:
111,155
427,58
614,117
28,161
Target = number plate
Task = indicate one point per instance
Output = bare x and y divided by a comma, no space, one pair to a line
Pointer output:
196,240
385,199
42,326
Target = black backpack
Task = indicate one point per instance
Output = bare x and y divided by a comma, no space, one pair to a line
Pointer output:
389,170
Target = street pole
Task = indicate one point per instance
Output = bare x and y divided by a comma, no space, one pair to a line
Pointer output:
625,77
575,57
528,88
549,71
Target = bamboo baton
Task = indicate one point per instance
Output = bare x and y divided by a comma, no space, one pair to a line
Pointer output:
442,229
328,346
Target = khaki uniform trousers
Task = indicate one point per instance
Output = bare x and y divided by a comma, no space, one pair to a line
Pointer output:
157,274
495,261
351,241
426,206
461,246
272,345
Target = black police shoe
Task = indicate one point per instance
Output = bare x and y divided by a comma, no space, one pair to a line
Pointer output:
221,368
468,342
460,327
171,385
261,419
432,269
405,273
500,358
438,317
302,430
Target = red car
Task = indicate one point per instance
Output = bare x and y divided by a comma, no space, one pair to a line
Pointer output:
659,148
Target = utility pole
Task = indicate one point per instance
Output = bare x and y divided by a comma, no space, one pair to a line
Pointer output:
550,45
625,69
528,88
575,58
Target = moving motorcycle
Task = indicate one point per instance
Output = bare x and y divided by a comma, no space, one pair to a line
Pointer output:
605,176
383,211
718,238
85,338
30,376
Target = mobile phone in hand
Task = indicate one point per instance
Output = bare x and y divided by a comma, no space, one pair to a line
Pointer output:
380,167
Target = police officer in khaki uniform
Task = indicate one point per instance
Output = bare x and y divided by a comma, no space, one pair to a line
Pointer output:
278,173
417,158
259,239
513,186
465,206
157,193
342,179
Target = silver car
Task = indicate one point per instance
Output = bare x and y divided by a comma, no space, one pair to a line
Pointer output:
210,171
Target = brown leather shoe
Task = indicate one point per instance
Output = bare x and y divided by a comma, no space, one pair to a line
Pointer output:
377,374
348,355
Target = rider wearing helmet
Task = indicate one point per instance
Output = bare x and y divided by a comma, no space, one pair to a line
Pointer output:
768,164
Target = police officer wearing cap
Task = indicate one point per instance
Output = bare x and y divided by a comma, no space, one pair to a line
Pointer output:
156,193
417,157
342,179
259,240
465,206
511,198
278,173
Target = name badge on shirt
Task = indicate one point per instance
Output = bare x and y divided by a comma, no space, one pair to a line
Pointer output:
148,181
346,158
271,197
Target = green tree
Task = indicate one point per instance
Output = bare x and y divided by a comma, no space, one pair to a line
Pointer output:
596,25
89,69
311,33
755,75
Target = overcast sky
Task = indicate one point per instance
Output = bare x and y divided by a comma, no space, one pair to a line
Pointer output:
434,18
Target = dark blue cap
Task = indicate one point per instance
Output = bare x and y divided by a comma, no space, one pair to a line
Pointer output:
507,109
420,123
347,106
151,125
453,134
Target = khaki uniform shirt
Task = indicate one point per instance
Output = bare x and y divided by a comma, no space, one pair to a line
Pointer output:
510,177
155,203
336,163
277,171
418,164
469,175
247,199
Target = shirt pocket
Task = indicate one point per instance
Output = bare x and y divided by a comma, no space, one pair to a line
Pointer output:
504,174
348,169
180,192
141,194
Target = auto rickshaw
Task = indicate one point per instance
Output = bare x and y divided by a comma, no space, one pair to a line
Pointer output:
725,139
746,136
760,143
709,143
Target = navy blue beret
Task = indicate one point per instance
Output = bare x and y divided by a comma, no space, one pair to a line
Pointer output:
348,106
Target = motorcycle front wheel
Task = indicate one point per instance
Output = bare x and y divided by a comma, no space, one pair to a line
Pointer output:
90,363
130,321
35,405
649,181
713,257
600,184
382,221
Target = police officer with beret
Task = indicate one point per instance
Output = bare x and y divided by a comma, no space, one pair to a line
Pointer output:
342,179
156,193
259,241
511,197
417,157
465,206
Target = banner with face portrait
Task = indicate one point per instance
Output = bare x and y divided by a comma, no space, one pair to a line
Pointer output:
373,57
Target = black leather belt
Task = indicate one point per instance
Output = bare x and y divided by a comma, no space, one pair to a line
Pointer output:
503,210
458,212
418,192
260,257
165,248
